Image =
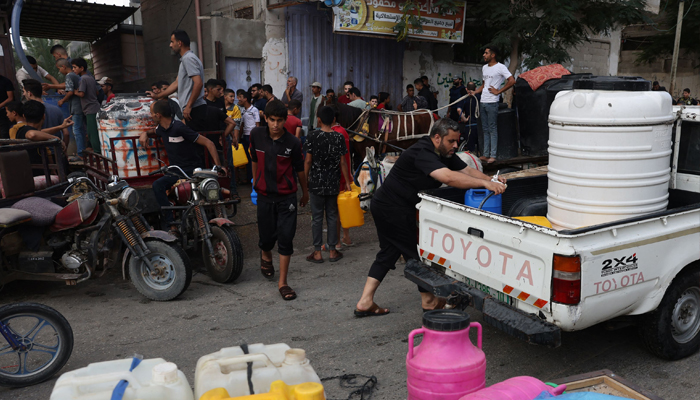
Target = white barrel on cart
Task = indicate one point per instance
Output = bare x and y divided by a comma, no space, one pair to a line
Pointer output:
228,369
609,152
152,379
128,116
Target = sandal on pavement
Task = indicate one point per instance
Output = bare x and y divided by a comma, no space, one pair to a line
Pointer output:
338,258
311,258
267,268
373,311
440,305
351,244
288,293
491,160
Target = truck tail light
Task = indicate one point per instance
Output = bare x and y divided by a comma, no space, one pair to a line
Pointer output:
566,279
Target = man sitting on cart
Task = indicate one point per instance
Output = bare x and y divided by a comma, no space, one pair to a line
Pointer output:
179,142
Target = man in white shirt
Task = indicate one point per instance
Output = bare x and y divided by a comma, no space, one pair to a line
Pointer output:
495,74
250,118
22,74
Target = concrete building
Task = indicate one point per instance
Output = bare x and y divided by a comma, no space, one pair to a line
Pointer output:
250,41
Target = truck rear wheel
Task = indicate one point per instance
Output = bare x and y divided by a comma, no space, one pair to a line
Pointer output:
672,331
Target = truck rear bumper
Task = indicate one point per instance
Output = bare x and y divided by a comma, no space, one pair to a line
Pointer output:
524,326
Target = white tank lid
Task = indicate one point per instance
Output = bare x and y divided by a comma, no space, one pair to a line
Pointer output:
295,357
165,374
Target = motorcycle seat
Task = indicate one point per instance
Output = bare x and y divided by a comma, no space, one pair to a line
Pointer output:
11,217
82,211
43,211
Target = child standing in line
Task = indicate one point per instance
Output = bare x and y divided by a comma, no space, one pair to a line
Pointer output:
87,91
325,161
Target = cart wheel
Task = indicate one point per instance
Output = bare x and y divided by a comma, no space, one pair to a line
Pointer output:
672,330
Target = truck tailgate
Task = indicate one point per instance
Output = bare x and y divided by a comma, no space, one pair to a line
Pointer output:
494,252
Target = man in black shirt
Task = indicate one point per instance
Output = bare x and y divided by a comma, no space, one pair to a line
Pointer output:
425,92
34,117
178,141
276,158
7,94
426,165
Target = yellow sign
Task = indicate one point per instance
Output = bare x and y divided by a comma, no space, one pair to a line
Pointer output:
378,17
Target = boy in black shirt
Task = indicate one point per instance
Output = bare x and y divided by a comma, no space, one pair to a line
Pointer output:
178,141
324,162
34,117
276,156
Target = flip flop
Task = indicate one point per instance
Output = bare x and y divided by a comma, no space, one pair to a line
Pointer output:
351,244
267,268
310,258
440,305
340,257
287,293
372,311
491,160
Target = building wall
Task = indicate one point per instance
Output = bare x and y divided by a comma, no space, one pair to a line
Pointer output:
660,70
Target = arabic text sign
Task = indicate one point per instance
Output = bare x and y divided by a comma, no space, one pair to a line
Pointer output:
379,17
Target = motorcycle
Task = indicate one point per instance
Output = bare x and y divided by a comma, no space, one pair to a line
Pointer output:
203,220
39,342
86,236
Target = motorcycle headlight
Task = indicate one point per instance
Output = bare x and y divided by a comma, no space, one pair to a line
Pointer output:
129,198
210,189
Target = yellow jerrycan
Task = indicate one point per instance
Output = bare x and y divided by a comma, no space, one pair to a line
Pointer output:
238,154
278,391
351,214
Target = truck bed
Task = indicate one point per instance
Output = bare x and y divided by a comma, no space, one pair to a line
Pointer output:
534,190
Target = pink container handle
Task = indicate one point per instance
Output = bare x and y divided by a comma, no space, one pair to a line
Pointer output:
410,340
478,335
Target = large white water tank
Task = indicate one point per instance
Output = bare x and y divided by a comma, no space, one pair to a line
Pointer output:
609,152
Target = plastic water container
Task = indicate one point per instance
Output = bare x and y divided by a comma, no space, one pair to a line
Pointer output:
609,152
228,369
238,155
518,388
474,197
278,391
253,194
152,379
129,117
446,365
351,214
53,100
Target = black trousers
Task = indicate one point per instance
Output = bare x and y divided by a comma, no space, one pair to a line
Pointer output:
277,222
397,231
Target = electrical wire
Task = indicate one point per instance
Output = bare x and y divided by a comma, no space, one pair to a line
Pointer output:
364,391
184,15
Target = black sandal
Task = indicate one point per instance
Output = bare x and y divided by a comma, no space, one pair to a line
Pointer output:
267,268
288,293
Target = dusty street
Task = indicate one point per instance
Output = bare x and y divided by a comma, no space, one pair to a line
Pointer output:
111,320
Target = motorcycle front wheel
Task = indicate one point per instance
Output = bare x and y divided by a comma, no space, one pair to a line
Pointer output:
46,340
228,255
170,276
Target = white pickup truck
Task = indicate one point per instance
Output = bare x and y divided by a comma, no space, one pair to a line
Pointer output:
533,282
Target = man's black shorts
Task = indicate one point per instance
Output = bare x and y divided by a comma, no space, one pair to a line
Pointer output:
277,222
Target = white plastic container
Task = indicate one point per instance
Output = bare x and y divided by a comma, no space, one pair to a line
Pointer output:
228,369
128,117
609,152
153,379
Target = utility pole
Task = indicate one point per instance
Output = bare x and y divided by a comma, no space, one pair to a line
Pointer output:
676,46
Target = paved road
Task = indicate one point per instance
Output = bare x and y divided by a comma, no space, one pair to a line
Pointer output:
112,321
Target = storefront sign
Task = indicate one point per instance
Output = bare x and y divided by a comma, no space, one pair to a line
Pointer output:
378,17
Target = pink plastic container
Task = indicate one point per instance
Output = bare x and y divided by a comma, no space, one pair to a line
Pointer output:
518,388
446,365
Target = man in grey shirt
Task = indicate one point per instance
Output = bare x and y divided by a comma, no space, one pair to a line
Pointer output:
189,84
292,93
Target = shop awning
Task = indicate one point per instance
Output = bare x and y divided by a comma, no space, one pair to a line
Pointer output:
70,20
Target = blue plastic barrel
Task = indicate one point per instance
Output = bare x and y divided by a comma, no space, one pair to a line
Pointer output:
474,197
253,194
53,100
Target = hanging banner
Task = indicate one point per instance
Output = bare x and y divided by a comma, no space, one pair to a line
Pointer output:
378,17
